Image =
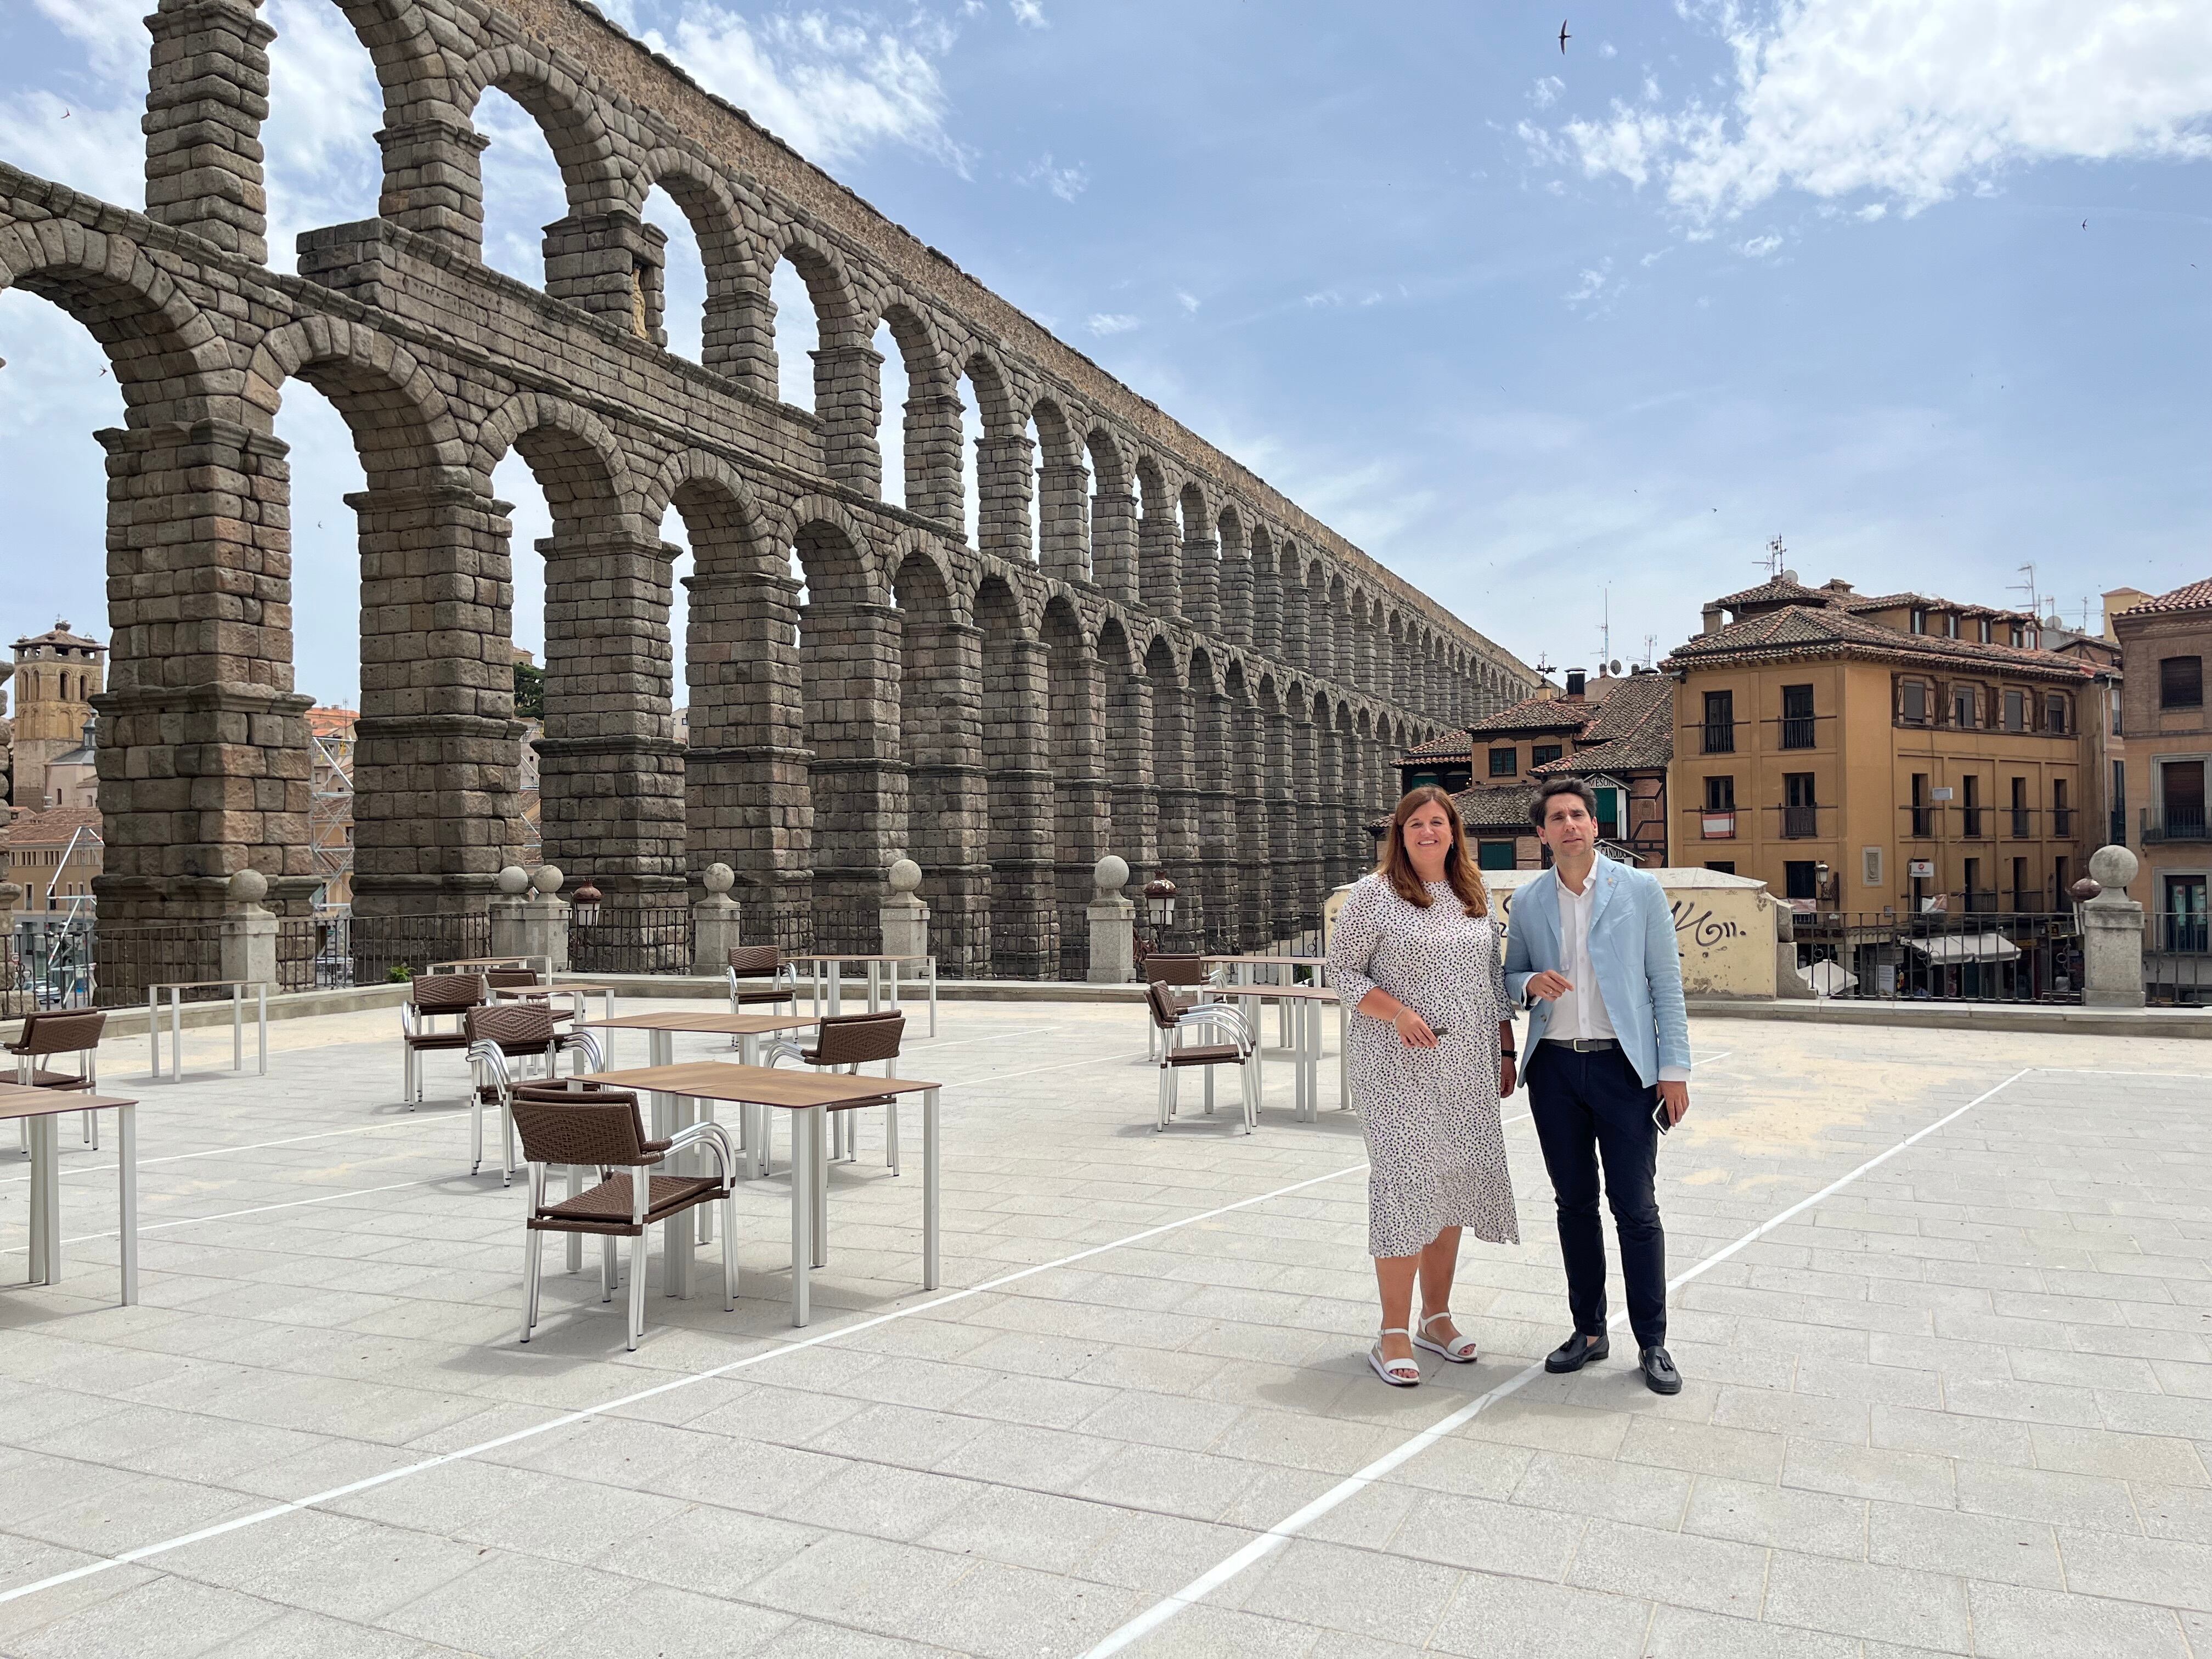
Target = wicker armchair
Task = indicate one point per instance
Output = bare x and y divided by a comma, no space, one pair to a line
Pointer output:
585,1124
847,1042
755,962
1185,972
432,997
511,980
505,1040
52,1033
1172,1020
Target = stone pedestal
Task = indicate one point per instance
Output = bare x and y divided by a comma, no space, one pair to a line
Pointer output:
1788,983
905,917
1113,926
529,918
714,923
248,933
2113,934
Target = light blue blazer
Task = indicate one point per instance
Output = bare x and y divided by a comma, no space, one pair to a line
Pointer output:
1631,946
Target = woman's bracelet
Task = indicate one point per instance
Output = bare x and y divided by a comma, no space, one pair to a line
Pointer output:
1508,1054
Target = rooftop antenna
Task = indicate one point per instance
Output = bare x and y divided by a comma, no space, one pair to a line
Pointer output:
1605,629
1776,553
1650,650
2028,587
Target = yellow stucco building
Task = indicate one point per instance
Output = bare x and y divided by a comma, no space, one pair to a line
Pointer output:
1864,753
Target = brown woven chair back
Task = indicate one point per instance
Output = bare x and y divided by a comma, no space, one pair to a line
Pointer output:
519,1028
56,1033
1175,970
856,1039
587,1124
445,993
507,979
1162,1000
754,960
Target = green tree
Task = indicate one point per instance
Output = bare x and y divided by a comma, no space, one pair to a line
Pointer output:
529,691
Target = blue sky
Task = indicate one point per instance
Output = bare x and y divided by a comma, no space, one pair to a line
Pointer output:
1521,324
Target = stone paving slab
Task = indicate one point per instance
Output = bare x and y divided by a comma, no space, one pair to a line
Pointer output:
1962,1404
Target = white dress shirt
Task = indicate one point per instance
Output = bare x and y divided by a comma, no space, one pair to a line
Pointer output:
1579,1012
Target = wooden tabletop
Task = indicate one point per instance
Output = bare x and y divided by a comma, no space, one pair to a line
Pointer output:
487,962
547,990
1279,962
759,1085
719,1025
16,1101
201,984
837,958
1289,992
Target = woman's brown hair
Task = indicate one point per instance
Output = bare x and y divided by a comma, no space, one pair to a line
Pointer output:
1396,866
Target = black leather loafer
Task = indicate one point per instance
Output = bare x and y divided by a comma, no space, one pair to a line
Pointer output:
1659,1373
1576,1352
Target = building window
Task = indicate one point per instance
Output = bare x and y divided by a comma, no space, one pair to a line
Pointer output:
2019,636
2021,812
1796,717
1495,855
1922,814
2061,810
1977,899
2058,880
2016,711
1720,795
1970,804
1912,702
1504,762
1919,620
1725,866
1983,634
1800,816
2055,720
1720,722
2180,682
2118,833
1964,707
1543,753
2181,791
2019,884
1950,624
1801,878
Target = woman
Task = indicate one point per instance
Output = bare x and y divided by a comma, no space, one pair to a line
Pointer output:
1415,955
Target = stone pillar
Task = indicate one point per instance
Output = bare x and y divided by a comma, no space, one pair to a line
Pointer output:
1236,597
1059,522
1081,798
1004,469
1159,559
747,796
714,923
1249,743
1023,918
1202,583
1113,920
1283,830
434,179
1173,747
848,395
207,94
1114,544
2113,934
204,743
248,932
438,748
905,917
611,769
948,796
612,264
850,664
737,334
933,458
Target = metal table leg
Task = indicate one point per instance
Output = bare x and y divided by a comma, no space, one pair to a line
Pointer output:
802,1220
261,1014
126,1196
875,987
177,1033
154,1027
929,1190
933,996
820,1183
671,1113
45,1198
836,987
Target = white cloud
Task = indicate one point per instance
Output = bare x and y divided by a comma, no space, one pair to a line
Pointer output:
112,32
1029,14
1545,92
829,89
1915,100
1067,183
101,151
1591,285
1111,322
1189,302
1759,246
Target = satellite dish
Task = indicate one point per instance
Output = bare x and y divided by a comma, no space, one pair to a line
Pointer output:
1613,667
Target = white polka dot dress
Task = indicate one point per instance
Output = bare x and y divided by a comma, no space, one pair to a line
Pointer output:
1436,1150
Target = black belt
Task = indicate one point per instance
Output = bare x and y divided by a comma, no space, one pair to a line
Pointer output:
1585,1045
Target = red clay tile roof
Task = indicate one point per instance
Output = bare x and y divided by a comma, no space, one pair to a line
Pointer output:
1857,604
1446,745
2196,596
1803,632
332,722
1535,714
53,827
1634,731
1775,591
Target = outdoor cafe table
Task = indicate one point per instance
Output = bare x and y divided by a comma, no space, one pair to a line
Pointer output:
834,966
812,1095
1305,1003
43,1108
547,993
1239,971
660,1050
176,988
541,964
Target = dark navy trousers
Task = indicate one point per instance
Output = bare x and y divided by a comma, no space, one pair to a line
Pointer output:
1590,1107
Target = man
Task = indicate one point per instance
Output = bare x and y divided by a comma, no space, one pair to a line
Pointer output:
1591,951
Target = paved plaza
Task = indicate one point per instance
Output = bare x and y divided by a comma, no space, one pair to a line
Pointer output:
1947,1393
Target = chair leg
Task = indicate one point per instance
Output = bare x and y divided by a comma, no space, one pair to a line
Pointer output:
532,1255
476,1128
506,1143
609,1277
1209,1091
91,1130
1167,1081
1245,1075
637,1277
729,1251
890,1134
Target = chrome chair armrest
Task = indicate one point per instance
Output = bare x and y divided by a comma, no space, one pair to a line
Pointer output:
489,1055
1232,1020
409,1020
587,1045
712,1135
784,1049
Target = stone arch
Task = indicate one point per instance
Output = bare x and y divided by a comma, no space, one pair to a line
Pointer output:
708,206
833,548
402,428
1062,496
1073,742
1236,575
1200,559
728,532
575,457
565,112
1126,697
929,441
1113,516
1159,536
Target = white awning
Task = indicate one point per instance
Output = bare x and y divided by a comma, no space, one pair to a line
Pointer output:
1950,949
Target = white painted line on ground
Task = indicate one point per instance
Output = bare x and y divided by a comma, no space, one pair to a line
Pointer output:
1292,1525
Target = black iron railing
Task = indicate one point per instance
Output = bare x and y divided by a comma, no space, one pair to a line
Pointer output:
1987,956
643,938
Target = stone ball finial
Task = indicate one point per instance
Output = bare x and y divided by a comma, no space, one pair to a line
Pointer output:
2112,867
547,879
1110,874
514,881
718,879
905,875
248,887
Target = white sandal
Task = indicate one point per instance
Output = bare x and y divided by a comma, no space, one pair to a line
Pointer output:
1398,1373
1460,1350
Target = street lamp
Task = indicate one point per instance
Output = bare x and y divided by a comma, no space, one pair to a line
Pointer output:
1159,902
585,903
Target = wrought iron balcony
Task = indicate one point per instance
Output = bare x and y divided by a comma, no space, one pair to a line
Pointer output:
2169,823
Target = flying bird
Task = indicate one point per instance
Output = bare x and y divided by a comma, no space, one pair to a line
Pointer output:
1564,37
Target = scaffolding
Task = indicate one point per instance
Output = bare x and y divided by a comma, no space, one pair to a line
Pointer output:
330,818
